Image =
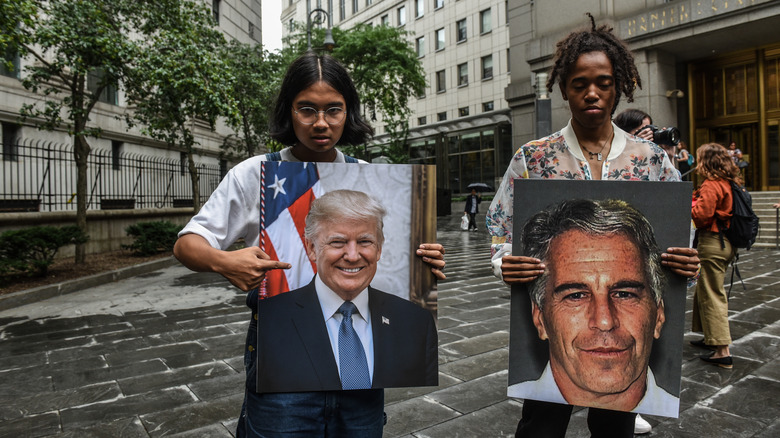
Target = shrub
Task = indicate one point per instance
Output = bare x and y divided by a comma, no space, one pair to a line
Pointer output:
152,237
32,250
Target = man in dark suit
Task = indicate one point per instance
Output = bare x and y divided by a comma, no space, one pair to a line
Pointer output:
295,352
338,333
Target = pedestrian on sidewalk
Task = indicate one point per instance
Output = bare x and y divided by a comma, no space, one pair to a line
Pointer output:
712,203
594,69
472,208
317,109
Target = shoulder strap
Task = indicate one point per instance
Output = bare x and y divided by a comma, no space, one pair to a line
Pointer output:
273,156
349,159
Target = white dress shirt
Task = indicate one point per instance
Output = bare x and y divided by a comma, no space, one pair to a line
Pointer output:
656,400
361,322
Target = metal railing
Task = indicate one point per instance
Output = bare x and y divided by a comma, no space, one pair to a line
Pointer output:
39,175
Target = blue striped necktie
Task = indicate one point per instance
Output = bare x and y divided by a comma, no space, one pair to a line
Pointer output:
353,365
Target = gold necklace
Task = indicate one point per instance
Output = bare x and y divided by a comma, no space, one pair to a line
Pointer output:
598,155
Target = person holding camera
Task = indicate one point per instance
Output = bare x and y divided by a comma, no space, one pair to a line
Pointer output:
639,123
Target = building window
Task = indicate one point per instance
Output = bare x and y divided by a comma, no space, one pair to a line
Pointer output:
440,39
461,29
463,74
487,106
355,6
12,72
442,116
419,46
419,8
463,112
369,2
215,10
441,86
10,140
485,23
508,64
116,153
95,80
438,4
422,120
402,16
251,30
487,67
385,20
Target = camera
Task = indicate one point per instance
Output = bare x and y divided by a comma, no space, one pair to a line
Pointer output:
664,136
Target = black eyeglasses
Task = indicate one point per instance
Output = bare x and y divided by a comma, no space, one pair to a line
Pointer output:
309,116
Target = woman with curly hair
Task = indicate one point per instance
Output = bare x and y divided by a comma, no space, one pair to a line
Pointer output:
711,211
593,69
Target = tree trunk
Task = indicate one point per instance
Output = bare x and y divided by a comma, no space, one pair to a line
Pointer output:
81,152
194,178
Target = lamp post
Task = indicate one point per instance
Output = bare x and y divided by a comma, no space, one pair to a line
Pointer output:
543,107
328,43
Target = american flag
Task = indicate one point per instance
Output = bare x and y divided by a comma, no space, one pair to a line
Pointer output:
287,192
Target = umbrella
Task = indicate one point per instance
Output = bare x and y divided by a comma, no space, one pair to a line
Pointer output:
480,187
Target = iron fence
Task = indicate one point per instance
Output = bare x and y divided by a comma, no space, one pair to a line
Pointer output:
41,176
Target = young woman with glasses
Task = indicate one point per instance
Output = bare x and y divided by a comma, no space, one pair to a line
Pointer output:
317,109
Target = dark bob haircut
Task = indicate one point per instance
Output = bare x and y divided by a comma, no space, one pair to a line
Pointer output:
304,72
631,119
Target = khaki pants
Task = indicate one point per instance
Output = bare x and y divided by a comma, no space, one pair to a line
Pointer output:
710,302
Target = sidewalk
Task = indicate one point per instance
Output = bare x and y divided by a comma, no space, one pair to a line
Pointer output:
160,354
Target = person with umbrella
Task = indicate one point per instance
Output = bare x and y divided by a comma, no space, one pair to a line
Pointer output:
472,207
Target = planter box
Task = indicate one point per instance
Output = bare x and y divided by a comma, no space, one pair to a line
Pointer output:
183,202
117,204
19,205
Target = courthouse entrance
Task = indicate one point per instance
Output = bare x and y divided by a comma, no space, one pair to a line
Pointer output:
737,98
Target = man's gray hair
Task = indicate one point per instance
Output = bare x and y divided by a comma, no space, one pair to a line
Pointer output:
341,205
597,218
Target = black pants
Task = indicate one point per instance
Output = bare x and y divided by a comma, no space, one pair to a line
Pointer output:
550,420
472,221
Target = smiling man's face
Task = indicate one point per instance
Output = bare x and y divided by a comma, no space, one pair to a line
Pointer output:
600,318
346,254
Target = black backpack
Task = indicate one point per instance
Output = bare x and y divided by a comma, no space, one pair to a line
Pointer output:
743,230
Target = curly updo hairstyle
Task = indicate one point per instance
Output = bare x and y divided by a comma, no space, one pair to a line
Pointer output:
597,39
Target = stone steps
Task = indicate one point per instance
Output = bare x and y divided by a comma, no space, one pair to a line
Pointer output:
768,218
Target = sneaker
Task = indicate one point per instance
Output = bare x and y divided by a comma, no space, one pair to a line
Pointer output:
641,426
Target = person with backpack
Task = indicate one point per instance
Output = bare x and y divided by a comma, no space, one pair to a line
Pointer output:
711,213
317,109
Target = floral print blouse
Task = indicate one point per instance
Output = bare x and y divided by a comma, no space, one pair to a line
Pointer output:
559,156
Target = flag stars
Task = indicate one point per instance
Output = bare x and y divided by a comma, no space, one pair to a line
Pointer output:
278,186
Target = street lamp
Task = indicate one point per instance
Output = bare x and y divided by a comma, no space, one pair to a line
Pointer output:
328,43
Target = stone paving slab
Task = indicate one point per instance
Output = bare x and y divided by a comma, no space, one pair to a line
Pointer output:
161,354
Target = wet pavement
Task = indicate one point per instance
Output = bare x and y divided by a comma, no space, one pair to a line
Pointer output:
160,354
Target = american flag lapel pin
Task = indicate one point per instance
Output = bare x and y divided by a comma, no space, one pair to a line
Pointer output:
385,320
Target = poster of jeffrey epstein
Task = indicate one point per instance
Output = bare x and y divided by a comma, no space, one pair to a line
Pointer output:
357,310
603,326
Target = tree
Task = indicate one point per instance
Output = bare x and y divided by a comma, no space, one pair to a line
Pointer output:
182,80
258,74
69,40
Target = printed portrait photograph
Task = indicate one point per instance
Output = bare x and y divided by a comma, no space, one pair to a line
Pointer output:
363,313
603,325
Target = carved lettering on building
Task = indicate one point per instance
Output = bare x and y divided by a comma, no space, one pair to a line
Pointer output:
680,13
